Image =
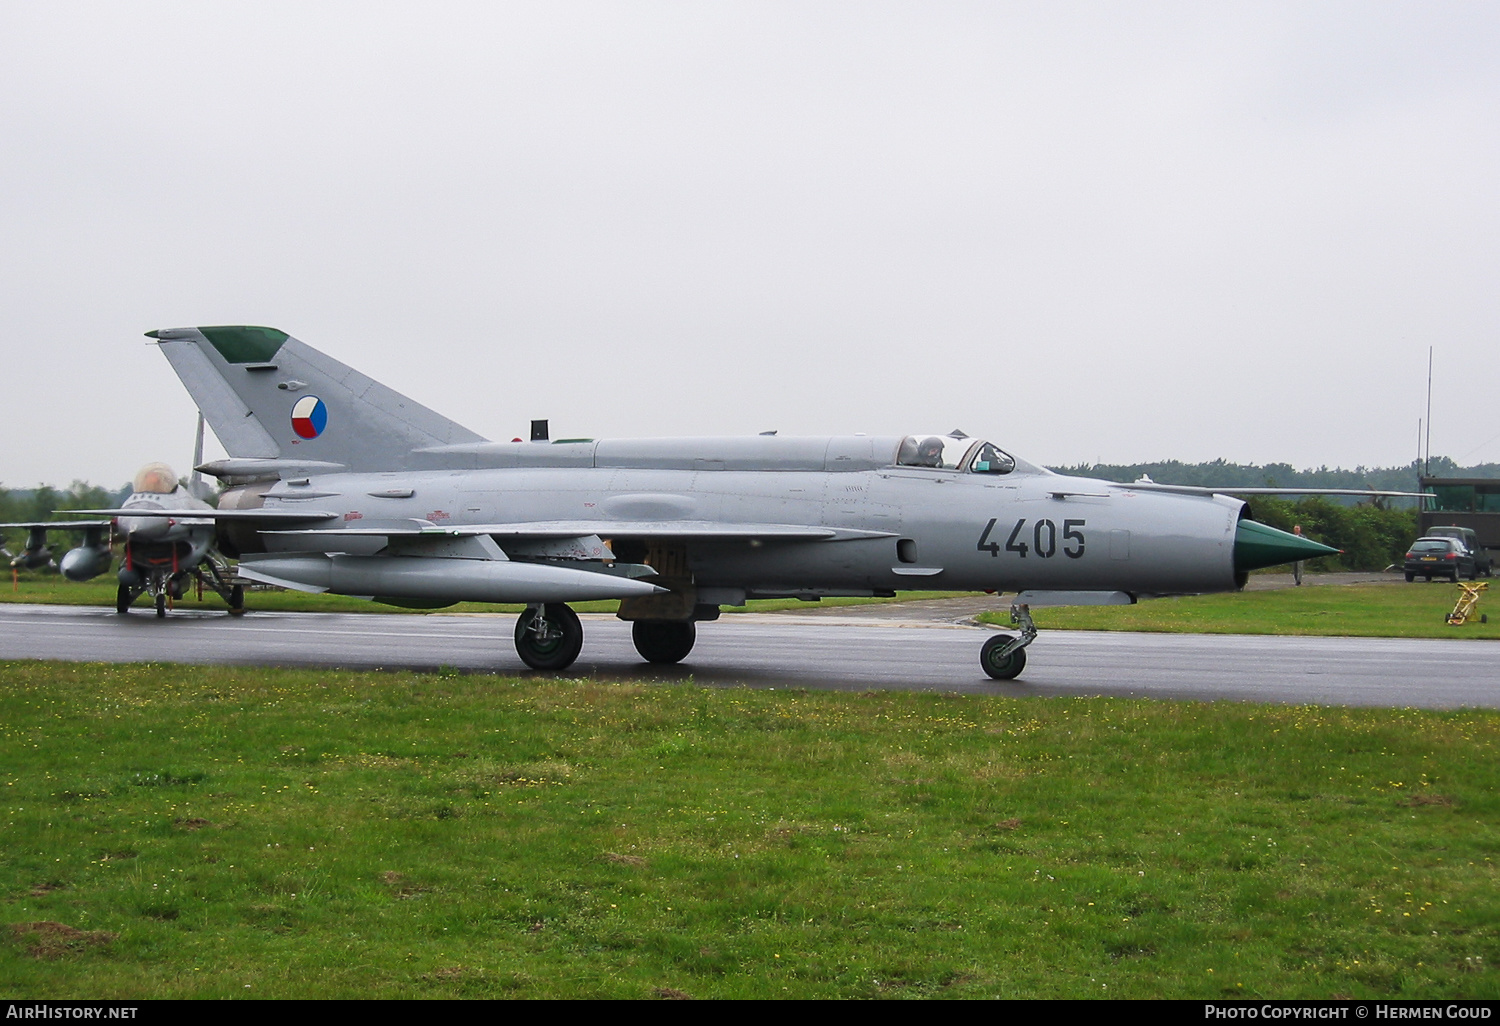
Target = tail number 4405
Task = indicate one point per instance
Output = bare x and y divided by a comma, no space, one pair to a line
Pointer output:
1043,536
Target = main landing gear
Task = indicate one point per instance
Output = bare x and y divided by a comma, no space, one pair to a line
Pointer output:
168,586
663,641
1004,655
549,637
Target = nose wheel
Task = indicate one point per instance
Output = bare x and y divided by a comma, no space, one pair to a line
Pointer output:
1001,659
1003,656
549,637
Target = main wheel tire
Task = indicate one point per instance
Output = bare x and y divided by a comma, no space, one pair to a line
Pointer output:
161,604
123,598
1410,577
237,600
1002,668
561,645
663,641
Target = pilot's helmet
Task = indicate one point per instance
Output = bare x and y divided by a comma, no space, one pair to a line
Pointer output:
931,451
155,479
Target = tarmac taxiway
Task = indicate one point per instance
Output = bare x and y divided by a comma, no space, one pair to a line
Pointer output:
846,650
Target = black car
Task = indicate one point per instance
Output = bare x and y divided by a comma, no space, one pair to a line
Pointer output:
1439,557
1483,564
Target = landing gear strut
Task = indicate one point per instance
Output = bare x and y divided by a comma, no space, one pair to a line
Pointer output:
549,637
218,579
663,641
1004,655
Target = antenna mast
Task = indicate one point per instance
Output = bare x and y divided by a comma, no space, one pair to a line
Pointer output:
1428,458
195,483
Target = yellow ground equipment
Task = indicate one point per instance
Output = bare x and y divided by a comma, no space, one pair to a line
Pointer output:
1467,600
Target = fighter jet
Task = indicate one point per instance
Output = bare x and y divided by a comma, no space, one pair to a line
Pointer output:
336,483
161,556
164,556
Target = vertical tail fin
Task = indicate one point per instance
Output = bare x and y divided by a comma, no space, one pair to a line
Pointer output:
196,486
267,395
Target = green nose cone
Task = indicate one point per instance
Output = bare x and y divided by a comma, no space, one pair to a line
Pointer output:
1256,545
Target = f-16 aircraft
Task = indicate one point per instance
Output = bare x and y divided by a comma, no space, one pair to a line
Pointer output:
161,556
338,484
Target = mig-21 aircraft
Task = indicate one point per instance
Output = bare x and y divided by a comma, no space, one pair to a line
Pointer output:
336,483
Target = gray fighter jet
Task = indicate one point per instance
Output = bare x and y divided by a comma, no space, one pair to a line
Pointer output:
336,483
161,555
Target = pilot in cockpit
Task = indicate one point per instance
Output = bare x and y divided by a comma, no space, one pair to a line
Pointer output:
929,453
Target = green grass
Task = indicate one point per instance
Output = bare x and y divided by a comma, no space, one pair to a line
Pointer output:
214,832
1358,610
47,588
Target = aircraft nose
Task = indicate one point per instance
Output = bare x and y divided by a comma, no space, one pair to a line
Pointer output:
1257,546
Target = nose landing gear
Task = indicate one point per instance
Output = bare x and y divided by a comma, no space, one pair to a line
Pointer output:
1003,656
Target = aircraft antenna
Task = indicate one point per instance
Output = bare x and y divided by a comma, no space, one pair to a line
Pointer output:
1418,462
195,483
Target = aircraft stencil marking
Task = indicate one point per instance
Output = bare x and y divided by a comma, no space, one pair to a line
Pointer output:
1043,529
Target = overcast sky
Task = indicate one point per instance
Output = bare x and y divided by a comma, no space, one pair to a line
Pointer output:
1091,232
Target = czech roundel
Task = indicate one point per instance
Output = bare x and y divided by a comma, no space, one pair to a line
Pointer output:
309,417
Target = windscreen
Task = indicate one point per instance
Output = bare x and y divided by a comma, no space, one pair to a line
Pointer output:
946,452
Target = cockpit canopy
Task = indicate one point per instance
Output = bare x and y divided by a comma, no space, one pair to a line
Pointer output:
953,452
155,479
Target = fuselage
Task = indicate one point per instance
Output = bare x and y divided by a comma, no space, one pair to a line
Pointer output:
906,527
155,545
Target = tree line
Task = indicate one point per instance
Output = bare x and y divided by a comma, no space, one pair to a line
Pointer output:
1373,533
1371,537
1223,474
31,504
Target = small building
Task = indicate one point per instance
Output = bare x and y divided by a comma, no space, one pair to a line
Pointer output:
1472,502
